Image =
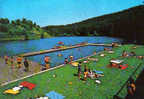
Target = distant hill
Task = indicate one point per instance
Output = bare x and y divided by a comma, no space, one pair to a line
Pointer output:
127,24
20,30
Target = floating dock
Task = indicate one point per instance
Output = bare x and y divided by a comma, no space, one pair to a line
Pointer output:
60,49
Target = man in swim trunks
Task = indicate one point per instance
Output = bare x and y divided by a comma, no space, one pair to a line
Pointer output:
71,59
6,59
26,64
79,69
66,61
12,62
19,61
47,62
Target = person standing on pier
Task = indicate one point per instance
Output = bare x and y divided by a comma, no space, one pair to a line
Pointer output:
26,64
47,62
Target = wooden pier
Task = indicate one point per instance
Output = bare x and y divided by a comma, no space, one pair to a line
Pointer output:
60,49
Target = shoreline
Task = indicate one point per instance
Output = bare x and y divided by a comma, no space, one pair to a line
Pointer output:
52,68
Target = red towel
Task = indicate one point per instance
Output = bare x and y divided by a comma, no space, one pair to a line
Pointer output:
122,67
29,85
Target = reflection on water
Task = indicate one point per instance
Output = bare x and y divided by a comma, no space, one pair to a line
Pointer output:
19,47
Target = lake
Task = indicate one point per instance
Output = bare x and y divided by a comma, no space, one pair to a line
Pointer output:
18,47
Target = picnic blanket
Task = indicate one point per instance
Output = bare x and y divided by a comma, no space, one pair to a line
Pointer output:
98,72
29,85
54,95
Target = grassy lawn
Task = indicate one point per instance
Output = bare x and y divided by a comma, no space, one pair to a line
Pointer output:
111,82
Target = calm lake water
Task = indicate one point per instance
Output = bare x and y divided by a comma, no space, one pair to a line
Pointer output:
18,47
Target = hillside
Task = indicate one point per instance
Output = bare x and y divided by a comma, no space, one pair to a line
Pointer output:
20,30
127,24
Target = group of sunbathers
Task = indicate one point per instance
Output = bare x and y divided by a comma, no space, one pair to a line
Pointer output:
68,60
132,53
87,73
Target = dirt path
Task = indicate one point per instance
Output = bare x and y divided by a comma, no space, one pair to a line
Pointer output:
9,74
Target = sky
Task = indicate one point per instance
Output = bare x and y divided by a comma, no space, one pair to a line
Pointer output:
61,12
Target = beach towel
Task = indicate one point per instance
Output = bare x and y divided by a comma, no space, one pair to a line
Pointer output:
102,54
98,81
116,61
16,88
74,63
29,85
54,95
11,91
122,67
98,72
110,52
85,61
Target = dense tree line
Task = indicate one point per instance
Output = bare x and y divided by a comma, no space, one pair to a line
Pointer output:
127,24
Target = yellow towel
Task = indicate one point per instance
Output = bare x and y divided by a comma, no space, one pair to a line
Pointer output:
10,91
75,63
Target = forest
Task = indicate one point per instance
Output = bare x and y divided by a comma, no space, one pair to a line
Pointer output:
126,24
20,29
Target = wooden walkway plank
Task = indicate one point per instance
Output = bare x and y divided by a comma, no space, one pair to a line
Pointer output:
60,49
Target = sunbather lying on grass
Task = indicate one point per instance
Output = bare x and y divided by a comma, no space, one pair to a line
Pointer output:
107,49
93,75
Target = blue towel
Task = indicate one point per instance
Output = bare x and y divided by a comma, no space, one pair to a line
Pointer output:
54,95
98,72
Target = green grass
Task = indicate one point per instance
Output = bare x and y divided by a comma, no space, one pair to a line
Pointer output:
19,38
111,82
